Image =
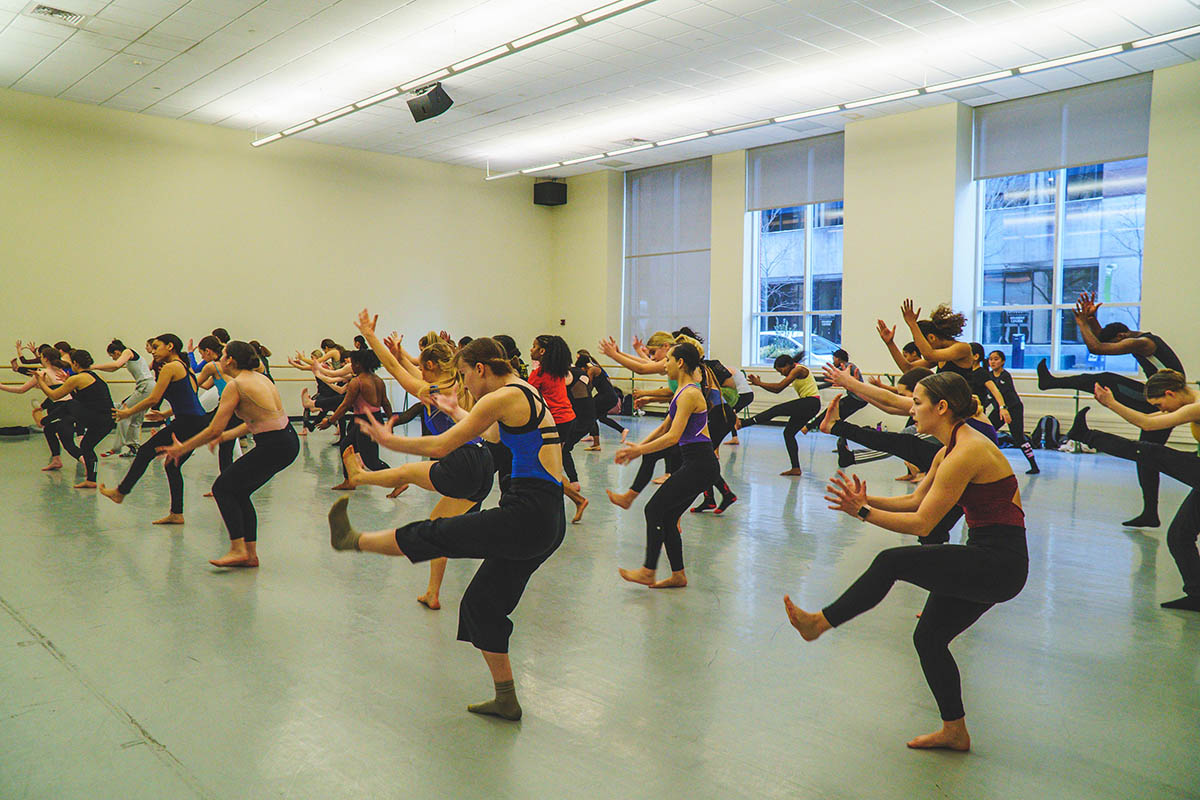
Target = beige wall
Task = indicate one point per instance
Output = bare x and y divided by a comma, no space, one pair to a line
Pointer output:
728,296
128,225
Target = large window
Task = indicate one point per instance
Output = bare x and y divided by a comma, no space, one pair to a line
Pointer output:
797,269
1045,237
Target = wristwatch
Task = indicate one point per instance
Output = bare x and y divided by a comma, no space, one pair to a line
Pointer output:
863,512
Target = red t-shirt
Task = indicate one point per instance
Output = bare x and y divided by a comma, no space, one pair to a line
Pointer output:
554,392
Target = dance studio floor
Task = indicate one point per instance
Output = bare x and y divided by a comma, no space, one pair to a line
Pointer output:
129,668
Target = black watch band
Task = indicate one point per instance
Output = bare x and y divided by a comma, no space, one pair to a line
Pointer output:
863,512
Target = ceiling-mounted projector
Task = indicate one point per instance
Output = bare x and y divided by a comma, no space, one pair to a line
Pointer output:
429,101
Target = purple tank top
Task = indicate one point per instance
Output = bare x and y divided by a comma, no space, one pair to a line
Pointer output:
985,429
693,432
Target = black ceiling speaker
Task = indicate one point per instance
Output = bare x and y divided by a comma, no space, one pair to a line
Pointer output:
429,101
550,193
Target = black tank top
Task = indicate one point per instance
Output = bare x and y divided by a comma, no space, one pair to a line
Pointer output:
1164,357
93,402
602,384
580,388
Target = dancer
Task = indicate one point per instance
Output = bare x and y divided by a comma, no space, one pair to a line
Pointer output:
89,408
367,396
513,540
550,379
129,430
963,581
606,398
1152,354
1014,406
463,478
213,376
686,424
177,385
253,398
745,396
799,411
55,371
1175,403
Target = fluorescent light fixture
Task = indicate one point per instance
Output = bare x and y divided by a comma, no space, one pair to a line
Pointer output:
545,33
475,61
1075,59
679,139
991,76
1166,37
610,9
597,14
887,98
816,112
303,126
377,98
745,126
573,161
541,168
645,146
341,112
500,175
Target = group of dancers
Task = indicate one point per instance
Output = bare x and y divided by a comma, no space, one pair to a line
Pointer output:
485,418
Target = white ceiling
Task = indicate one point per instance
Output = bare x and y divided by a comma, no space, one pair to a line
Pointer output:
670,68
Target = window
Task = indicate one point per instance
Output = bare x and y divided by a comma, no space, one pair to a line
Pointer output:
1047,236
797,271
667,243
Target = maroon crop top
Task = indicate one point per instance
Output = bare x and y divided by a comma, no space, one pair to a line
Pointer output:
986,504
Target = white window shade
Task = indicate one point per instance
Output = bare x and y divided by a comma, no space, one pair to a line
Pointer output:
795,173
668,212
1092,124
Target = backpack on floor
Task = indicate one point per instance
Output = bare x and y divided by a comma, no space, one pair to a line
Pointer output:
626,405
16,430
1047,434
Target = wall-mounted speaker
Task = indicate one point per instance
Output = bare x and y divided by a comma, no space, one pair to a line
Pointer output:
550,193
429,101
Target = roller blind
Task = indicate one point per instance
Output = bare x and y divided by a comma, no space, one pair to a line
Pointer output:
795,173
1091,124
668,212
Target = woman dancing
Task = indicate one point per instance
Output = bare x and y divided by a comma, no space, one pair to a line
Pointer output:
685,425
799,411
129,430
513,539
463,477
367,396
550,379
605,398
1013,405
1176,403
253,398
89,408
963,581
177,385
55,371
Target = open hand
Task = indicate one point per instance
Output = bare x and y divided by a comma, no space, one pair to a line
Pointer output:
1103,395
847,494
910,316
626,454
887,334
366,323
172,452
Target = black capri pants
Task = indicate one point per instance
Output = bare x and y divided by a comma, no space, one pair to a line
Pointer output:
798,412
272,453
183,427
465,473
697,472
513,539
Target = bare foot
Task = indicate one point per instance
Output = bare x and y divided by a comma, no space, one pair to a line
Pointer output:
677,581
662,480
170,519
734,440
624,500
430,601
795,473
640,575
624,435
579,507
232,559
952,736
85,485
112,494
342,487
906,478
832,414
208,494
302,432
809,625
55,463
306,400
399,490
593,448
354,466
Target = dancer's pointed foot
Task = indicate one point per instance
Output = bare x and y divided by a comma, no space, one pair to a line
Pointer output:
580,506
659,481
54,464
112,494
354,467
677,580
845,454
624,499
1189,602
1143,520
399,490
794,472
342,535
85,485
1080,432
809,625
624,435
170,519
832,414
306,401
726,502
1045,379
640,575
430,600
952,736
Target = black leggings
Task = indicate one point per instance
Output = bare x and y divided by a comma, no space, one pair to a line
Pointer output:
963,580
744,399
225,449
697,472
1183,467
273,451
846,407
56,412
513,539
671,461
366,447
798,412
602,403
182,427
915,450
567,433
93,433
326,402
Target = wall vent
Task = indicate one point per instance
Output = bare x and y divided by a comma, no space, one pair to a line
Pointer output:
56,15
614,163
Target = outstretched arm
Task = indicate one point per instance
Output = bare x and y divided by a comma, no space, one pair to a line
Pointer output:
1148,422
641,366
366,326
797,372
881,398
